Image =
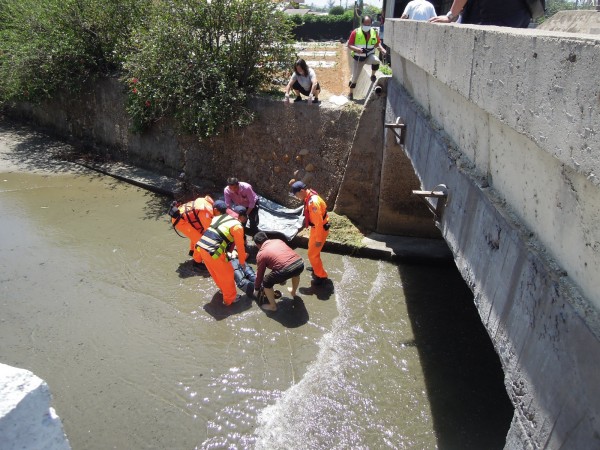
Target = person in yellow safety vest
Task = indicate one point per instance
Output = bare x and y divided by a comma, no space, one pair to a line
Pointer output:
223,231
315,217
191,219
363,41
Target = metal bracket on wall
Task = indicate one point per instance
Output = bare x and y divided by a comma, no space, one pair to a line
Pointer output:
439,192
399,130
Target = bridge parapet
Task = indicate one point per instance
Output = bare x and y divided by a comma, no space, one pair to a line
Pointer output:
509,121
523,109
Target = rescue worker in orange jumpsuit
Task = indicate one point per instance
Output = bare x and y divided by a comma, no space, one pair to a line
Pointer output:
212,247
191,219
315,217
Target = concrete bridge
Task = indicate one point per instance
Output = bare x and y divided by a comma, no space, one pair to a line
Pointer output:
509,121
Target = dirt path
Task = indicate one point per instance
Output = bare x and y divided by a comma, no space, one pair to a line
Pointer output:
330,62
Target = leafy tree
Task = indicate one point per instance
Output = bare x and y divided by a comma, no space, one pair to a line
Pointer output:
371,11
337,11
50,44
198,61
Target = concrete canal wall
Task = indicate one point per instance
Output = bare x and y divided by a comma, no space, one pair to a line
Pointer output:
509,121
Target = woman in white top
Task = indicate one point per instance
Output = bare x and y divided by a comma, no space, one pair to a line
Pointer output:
303,81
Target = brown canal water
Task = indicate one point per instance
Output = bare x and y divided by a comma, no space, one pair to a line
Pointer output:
98,298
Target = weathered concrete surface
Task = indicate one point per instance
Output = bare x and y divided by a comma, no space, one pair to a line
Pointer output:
378,179
287,140
546,333
508,120
583,22
338,151
26,419
523,107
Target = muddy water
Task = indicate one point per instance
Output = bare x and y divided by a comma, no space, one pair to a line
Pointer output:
97,297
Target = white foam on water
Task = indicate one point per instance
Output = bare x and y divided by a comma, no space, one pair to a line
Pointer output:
330,407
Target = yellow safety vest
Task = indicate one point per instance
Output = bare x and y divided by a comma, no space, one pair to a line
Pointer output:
361,41
218,236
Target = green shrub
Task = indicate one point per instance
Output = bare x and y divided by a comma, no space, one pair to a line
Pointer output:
337,11
311,26
50,44
384,69
198,61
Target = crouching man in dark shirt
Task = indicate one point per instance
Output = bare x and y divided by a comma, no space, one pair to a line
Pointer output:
284,263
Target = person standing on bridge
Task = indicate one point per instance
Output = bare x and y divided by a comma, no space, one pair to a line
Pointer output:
508,13
315,217
419,10
303,81
362,42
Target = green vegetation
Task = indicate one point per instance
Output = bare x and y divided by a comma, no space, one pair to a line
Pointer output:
311,26
323,20
385,69
195,60
198,60
344,231
337,11
51,44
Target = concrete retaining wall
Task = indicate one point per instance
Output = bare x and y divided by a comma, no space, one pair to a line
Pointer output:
336,150
286,141
508,120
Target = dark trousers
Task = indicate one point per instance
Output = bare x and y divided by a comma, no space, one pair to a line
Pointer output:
253,217
244,278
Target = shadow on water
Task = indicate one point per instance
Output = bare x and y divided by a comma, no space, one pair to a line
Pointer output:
157,207
464,378
322,291
188,269
38,150
291,313
219,311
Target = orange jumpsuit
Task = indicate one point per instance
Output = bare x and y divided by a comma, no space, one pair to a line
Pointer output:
315,217
195,217
220,268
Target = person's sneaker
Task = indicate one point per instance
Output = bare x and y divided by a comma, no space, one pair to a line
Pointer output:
350,96
373,78
310,269
297,99
316,100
